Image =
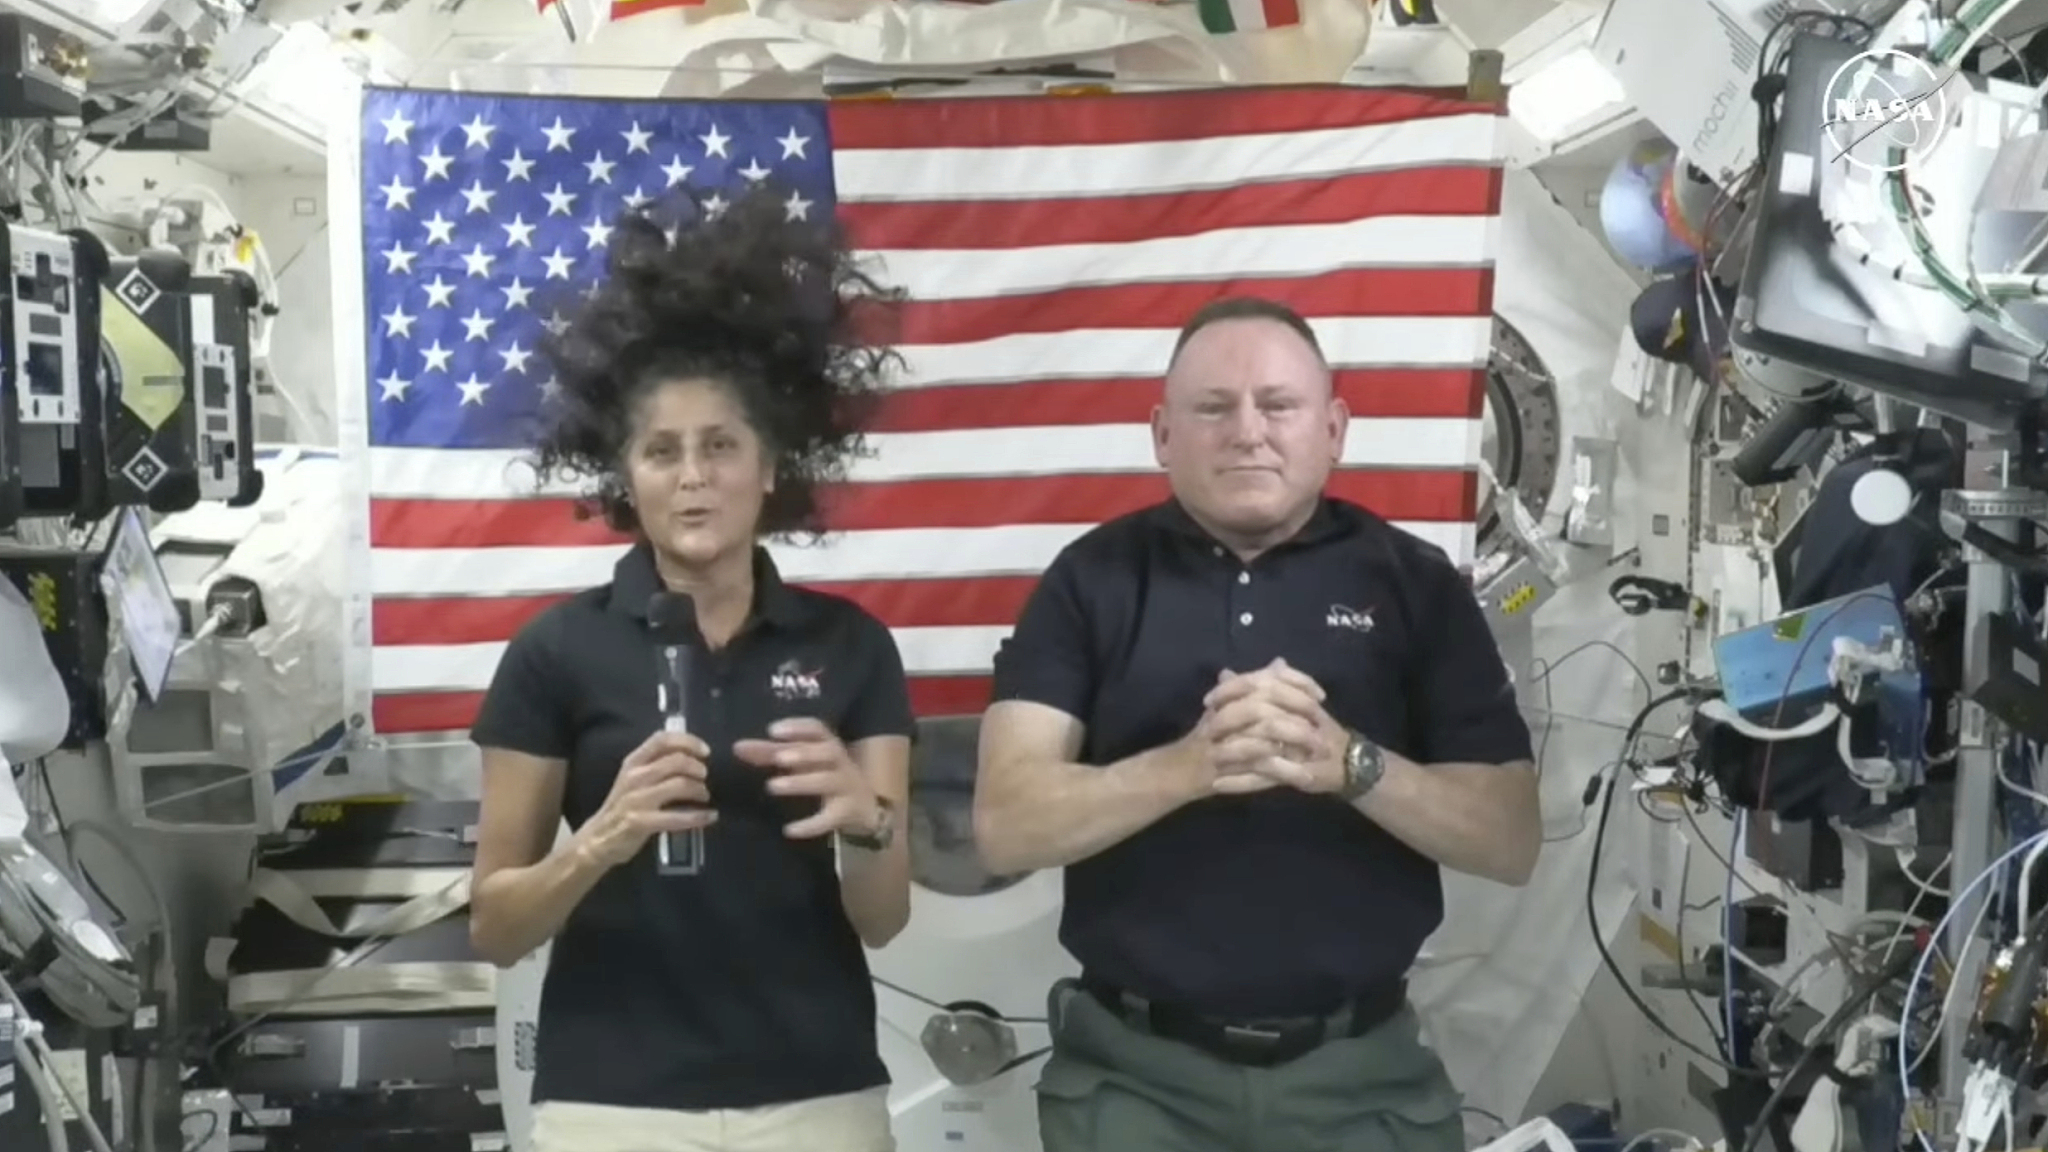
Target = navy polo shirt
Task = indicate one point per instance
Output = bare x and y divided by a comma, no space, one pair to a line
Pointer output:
744,985
1277,903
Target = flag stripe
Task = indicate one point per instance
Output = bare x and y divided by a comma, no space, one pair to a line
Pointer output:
1369,392
1018,452
898,603
1128,219
927,172
1281,13
1050,250
1360,293
1391,341
1445,496
1003,124
1280,253
879,554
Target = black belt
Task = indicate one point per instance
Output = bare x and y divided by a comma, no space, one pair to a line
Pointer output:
1259,1043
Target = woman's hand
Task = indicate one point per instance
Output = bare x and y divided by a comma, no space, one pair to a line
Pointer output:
667,769
813,762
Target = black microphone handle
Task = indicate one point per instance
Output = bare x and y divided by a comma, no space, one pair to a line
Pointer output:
677,853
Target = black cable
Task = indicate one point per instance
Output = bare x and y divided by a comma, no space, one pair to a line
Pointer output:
1550,667
1607,959
195,1142
1816,1043
70,850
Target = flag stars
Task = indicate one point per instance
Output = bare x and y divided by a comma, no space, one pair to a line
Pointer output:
452,347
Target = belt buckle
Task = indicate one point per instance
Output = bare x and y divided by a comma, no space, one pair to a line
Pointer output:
1257,1044
1254,1032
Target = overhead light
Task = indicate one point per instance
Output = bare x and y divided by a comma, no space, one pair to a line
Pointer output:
309,73
1563,95
113,14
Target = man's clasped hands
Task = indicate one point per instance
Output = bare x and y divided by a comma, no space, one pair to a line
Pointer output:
1267,728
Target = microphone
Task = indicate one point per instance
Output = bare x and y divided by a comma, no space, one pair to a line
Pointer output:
672,617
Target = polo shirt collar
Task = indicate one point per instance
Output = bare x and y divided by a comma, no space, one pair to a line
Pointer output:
635,581
1331,518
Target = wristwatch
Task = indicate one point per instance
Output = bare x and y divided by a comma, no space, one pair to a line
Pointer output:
883,833
1364,764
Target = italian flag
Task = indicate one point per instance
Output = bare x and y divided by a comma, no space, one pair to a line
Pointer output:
1224,16
624,8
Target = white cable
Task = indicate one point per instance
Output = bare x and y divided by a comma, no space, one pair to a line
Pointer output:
214,622
1721,712
1955,964
1927,887
2033,752
38,1050
43,1084
2027,875
1920,973
1642,1139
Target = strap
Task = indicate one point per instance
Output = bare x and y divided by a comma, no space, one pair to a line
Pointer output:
433,894
414,988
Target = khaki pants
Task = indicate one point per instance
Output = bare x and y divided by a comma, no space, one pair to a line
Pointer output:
856,1122
1109,1087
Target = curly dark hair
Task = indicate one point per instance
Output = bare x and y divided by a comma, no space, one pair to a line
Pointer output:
775,310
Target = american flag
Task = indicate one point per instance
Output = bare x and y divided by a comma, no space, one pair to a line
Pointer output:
1050,247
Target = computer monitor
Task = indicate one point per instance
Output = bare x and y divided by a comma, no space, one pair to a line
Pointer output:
140,600
1811,302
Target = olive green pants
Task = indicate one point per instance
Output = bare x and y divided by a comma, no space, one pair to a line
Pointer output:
1110,1087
